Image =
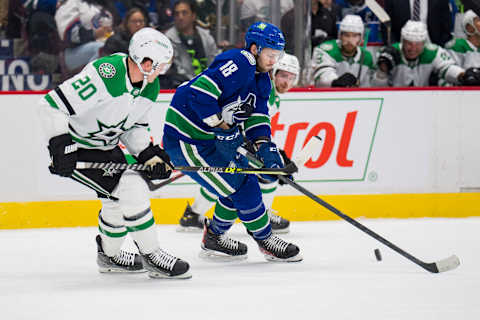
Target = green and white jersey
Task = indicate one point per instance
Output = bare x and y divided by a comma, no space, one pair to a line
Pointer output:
99,107
273,101
465,54
417,73
328,64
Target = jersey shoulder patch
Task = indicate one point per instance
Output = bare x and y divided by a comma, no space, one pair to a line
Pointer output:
249,56
326,46
431,46
107,70
111,70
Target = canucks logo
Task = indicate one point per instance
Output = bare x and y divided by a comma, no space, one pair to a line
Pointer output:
107,70
251,99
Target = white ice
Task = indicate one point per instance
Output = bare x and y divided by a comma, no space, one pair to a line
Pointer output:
52,274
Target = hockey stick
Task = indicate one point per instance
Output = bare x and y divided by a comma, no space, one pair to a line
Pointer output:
155,186
383,16
288,170
443,265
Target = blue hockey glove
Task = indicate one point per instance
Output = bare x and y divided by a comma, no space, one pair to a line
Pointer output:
271,158
227,141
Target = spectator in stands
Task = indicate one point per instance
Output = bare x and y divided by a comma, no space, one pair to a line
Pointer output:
259,10
434,13
134,20
412,62
3,14
16,19
206,12
194,47
344,62
83,25
466,52
43,43
358,7
324,21
158,13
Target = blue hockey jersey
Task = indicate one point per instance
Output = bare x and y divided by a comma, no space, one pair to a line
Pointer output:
231,79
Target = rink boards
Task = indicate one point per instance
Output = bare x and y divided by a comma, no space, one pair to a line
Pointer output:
396,153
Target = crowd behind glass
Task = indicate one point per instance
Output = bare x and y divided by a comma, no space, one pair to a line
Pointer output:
339,43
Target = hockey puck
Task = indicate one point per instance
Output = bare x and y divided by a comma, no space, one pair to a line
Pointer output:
378,255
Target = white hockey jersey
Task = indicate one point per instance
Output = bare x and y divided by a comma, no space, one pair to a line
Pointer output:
417,73
328,64
99,107
465,54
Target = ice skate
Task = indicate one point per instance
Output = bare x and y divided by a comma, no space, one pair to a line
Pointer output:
162,265
276,249
122,262
279,224
190,221
221,247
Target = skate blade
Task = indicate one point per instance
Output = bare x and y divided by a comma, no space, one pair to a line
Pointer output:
216,256
281,231
296,258
117,270
189,229
159,275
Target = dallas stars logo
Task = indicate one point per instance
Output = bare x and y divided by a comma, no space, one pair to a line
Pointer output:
108,135
107,70
109,172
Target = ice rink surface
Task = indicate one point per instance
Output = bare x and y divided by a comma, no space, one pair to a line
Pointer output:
51,274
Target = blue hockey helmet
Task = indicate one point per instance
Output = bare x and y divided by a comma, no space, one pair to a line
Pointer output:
264,35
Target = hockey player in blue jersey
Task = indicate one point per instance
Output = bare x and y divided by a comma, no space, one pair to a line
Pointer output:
202,129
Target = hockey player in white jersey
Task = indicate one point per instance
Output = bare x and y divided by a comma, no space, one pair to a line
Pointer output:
411,62
85,118
285,75
344,62
466,52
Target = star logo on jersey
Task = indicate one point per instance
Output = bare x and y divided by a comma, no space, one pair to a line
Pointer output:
107,70
109,172
108,135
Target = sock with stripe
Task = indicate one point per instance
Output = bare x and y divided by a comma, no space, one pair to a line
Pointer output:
268,193
141,228
111,227
204,200
224,216
251,210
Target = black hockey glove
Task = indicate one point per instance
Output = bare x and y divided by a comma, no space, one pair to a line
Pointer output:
286,161
346,80
63,152
158,160
389,56
471,77
239,113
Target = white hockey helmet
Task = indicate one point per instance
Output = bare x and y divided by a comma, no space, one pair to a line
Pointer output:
468,19
352,23
152,44
415,31
288,63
